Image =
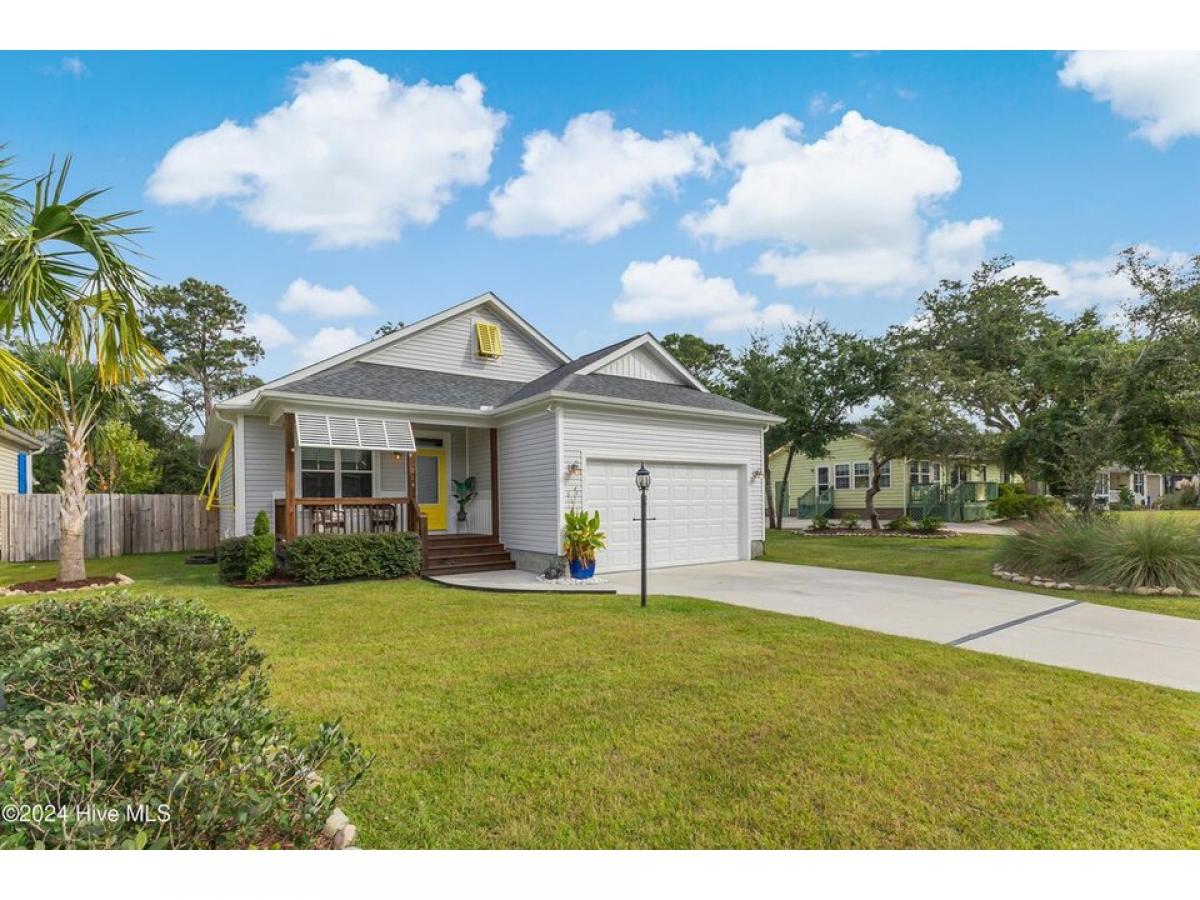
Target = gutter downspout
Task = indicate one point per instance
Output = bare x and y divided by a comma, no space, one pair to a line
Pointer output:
29,462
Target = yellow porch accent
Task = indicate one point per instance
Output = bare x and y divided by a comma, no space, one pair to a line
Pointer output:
432,496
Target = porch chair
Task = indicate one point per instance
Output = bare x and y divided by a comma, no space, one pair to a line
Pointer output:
328,518
383,517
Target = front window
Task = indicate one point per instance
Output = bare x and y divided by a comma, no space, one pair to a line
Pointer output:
325,472
1139,482
356,473
919,471
1102,484
317,475
862,475
841,476
885,475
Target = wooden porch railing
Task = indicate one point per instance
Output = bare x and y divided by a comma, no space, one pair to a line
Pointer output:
358,517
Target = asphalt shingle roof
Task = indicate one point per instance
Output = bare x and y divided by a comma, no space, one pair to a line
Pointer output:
398,384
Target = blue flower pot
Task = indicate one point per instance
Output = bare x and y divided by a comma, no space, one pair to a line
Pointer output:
581,570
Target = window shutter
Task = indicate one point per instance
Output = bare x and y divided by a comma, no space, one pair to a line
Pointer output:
487,336
354,433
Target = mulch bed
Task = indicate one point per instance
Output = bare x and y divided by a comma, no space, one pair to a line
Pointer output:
870,533
49,584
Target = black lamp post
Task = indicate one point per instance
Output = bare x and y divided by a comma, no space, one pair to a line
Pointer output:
642,479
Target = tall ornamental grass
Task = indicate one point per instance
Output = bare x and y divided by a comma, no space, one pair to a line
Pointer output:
1143,551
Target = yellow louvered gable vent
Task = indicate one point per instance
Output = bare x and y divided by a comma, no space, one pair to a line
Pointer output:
488,337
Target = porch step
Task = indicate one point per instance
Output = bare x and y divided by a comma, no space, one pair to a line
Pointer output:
469,567
450,553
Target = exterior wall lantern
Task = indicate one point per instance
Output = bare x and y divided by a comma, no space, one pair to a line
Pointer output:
642,479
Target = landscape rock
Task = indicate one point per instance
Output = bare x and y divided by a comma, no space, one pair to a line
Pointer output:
345,837
1172,592
336,822
1145,591
1063,585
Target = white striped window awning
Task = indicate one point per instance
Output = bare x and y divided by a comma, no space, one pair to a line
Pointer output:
354,433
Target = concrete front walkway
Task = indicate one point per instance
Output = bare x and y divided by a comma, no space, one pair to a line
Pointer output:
1051,629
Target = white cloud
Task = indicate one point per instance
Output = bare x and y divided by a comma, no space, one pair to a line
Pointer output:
326,343
853,210
1157,89
591,182
71,66
1080,284
674,288
819,103
270,332
351,159
321,302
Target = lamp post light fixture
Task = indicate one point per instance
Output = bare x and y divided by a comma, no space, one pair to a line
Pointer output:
642,479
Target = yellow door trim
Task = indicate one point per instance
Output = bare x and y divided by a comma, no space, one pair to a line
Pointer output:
436,512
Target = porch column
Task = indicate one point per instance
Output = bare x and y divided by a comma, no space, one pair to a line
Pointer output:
289,476
410,484
495,440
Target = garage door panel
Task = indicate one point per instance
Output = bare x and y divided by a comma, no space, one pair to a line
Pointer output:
694,507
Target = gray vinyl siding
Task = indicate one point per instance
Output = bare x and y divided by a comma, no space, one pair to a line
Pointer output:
636,436
264,468
479,464
641,363
450,347
393,476
8,469
528,464
226,498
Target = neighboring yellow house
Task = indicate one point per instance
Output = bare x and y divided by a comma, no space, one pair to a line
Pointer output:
837,483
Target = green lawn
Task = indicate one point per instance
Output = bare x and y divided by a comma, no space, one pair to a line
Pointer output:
966,558
509,720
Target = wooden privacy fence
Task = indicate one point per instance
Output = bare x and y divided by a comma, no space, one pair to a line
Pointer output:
117,524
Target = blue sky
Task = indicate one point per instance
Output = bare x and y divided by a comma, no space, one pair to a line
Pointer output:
892,170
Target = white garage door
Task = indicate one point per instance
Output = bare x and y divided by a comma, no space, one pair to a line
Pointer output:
695,508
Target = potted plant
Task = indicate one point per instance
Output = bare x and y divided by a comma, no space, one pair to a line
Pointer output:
582,537
464,493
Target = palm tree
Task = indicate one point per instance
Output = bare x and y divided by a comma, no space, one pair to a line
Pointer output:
66,285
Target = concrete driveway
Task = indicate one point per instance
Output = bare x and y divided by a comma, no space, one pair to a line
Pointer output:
1046,628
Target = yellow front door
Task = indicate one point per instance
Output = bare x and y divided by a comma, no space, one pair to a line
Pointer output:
431,485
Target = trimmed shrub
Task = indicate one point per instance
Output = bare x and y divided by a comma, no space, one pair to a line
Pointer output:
1148,551
83,651
232,559
850,520
156,709
900,523
930,525
1014,502
321,558
260,550
819,522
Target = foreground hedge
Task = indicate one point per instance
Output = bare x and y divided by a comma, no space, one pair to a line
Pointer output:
320,558
153,709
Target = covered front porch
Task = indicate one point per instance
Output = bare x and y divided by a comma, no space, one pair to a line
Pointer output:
348,474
